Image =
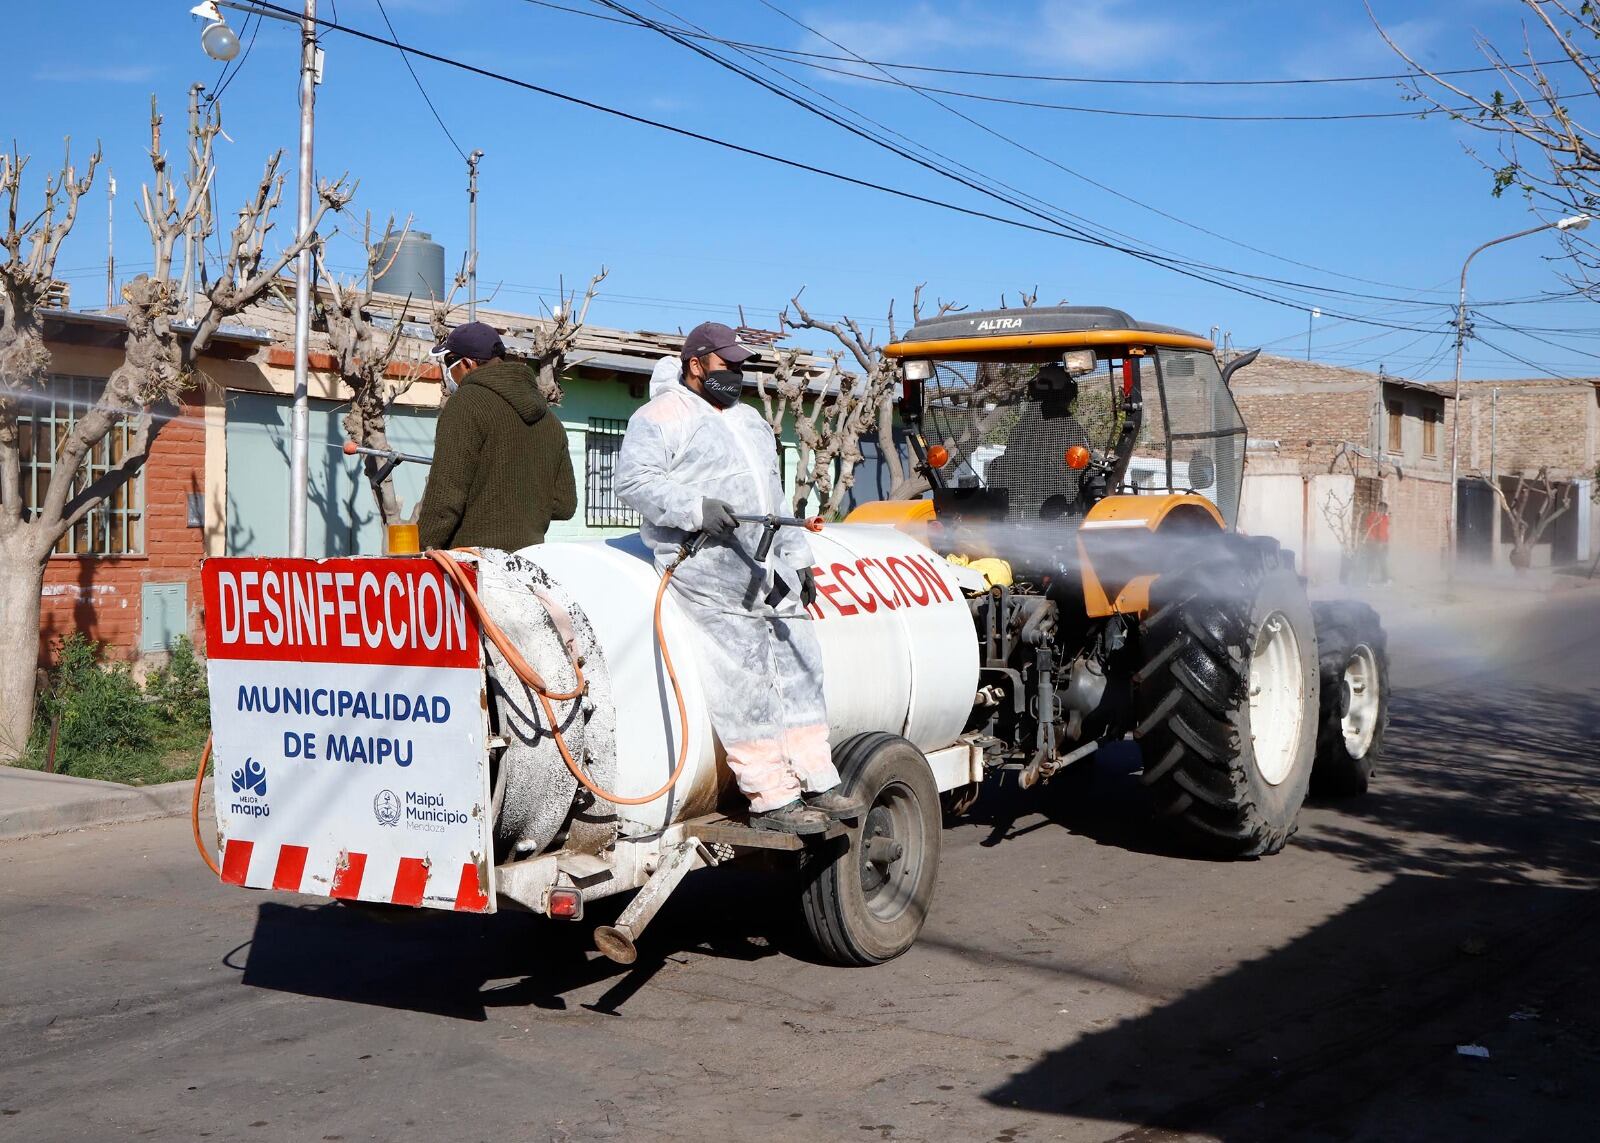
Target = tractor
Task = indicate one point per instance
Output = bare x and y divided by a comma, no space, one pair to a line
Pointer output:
1091,467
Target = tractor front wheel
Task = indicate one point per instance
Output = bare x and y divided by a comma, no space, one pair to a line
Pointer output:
1227,698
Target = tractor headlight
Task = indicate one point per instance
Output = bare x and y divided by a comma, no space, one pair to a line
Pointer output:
917,370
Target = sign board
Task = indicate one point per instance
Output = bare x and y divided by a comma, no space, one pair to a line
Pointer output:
350,730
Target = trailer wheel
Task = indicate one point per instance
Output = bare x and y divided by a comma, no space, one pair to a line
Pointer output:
1227,698
1354,667
866,903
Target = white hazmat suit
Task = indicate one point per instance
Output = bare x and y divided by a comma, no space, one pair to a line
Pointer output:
764,684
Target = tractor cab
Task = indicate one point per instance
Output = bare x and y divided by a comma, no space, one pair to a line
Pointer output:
1035,416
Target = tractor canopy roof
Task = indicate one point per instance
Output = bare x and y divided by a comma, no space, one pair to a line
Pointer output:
1037,333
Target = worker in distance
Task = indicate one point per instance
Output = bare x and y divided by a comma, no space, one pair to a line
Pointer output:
692,458
501,471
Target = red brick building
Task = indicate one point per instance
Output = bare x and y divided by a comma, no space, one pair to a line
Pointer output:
128,574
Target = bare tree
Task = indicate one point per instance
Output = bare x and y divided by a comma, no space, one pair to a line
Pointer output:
868,398
1530,507
160,362
1540,147
367,357
552,342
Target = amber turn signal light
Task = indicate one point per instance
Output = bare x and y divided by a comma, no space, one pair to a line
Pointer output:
938,456
1077,457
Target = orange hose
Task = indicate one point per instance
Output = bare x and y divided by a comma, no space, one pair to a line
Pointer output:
547,699
194,809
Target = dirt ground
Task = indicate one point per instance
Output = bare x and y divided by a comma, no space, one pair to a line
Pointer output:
1076,981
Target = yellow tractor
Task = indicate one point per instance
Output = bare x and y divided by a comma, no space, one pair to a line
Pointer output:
1091,467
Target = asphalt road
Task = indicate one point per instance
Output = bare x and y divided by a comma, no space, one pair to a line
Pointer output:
1075,981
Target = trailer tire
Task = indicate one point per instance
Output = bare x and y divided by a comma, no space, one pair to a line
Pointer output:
1353,656
863,902
1227,698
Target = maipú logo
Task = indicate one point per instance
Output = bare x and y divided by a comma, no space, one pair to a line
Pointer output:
251,777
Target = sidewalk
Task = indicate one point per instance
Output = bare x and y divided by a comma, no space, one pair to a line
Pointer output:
33,803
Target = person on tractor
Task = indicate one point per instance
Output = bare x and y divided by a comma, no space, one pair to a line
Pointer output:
692,459
1046,428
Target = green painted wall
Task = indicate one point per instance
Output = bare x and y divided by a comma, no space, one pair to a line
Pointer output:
342,519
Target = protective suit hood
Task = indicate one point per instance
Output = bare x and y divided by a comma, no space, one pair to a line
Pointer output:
667,373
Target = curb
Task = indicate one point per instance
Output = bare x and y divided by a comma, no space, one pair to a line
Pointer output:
82,803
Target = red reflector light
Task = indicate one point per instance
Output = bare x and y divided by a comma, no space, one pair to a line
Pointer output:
1129,372
565,904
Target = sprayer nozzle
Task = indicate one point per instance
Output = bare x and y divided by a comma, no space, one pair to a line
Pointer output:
814,524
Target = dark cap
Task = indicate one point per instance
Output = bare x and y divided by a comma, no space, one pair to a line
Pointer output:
475,340
714,337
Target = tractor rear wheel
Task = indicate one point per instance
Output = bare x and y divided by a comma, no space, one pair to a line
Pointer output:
1354,661
1227,697
866,903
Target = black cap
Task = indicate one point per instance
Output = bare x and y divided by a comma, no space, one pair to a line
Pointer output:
475,340
714,337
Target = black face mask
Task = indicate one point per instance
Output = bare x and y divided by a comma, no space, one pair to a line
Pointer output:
723,386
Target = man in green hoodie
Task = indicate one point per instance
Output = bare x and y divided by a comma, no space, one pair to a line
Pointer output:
501,471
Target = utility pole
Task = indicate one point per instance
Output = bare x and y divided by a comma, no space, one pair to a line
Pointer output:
300,421
1576,222
472,235
111,246
1311,316
189,244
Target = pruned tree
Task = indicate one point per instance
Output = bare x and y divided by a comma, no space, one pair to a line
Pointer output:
1540,146
160,362
1531,507
868,396
821,412
553,340
367,357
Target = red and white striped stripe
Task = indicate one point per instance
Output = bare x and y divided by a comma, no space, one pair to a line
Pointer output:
350,875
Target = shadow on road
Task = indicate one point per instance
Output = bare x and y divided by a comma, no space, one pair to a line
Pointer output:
461,966
1486,930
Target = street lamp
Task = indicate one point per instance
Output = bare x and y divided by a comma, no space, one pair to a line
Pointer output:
1575,222
221,43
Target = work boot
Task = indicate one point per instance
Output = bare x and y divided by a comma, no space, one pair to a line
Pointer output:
793,818
837,804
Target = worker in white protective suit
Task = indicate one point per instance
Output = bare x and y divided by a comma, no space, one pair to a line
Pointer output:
692,458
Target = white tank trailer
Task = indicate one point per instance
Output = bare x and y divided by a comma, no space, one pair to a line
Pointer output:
900,674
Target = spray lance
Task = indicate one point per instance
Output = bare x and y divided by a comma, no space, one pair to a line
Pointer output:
389,457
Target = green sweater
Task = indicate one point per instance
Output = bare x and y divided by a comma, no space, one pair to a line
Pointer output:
500,471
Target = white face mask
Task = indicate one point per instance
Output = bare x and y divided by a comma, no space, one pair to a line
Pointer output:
446,372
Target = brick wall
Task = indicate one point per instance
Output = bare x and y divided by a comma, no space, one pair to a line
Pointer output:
101,596
1418,520
1531,425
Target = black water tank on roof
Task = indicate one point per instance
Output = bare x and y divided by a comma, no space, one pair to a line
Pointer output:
418,267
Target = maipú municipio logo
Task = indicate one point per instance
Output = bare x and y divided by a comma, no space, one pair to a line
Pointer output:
252,776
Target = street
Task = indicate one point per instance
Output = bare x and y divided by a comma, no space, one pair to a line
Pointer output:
1075,981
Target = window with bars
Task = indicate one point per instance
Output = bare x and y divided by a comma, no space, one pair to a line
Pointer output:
601,445
116,526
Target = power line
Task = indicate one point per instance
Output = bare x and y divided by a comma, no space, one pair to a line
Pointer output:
837,176
1188,267
1546,370
1084,178
1190,116
406,59
1057,78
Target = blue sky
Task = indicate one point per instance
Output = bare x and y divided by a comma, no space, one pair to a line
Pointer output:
690,230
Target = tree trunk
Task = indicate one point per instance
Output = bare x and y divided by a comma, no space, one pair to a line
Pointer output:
21,580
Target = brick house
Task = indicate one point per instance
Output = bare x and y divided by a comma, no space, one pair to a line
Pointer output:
217,479
1327,444
1512,429
128,574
